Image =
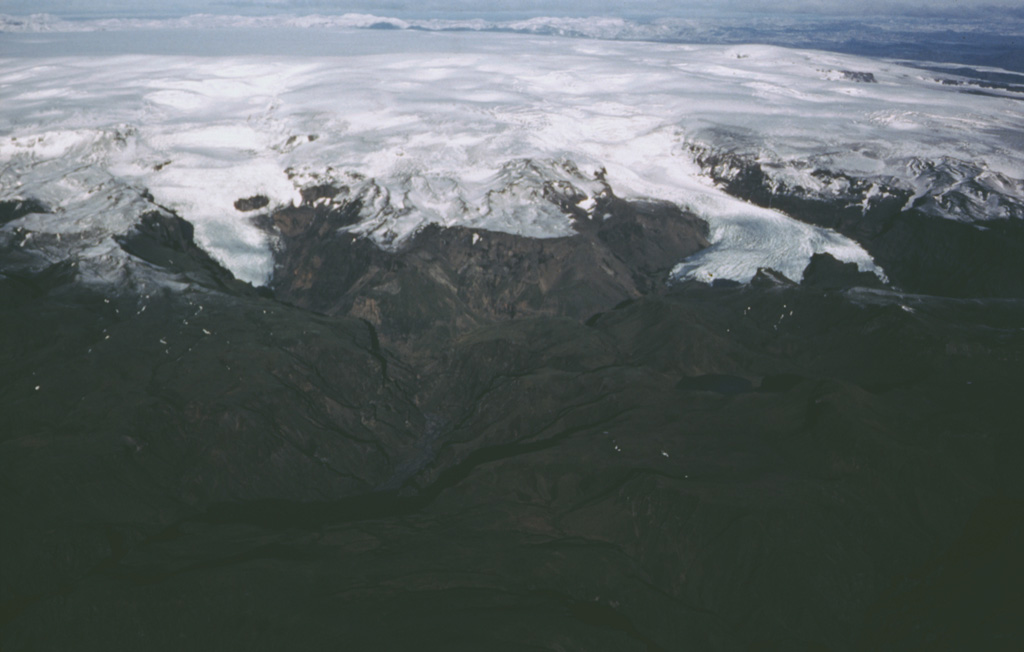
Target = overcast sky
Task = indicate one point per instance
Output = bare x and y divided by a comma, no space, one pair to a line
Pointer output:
513,8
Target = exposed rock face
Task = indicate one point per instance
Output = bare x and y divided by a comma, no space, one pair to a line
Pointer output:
857,76
12,209
449,280
827,273
490,442
253,203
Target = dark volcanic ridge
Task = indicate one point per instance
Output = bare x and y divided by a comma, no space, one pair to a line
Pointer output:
447,281
484,441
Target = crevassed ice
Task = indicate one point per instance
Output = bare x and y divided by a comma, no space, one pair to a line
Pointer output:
466,129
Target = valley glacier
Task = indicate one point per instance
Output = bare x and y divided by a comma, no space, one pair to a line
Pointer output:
473,129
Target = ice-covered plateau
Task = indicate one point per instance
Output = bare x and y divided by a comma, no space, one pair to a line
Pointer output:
476,129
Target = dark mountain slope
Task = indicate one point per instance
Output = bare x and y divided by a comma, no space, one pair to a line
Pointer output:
503,445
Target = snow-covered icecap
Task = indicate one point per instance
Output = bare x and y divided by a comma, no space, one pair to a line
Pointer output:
458,128
686,26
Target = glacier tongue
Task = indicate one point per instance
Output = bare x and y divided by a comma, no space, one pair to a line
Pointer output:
494,131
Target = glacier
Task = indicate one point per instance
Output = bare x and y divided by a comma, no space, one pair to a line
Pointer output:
466,128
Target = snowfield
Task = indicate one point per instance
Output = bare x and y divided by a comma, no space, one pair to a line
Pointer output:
463,128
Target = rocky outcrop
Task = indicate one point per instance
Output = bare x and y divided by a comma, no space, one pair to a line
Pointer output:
827,273
449,280
253,203
12,209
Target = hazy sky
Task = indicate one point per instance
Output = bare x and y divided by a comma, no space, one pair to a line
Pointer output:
513,8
